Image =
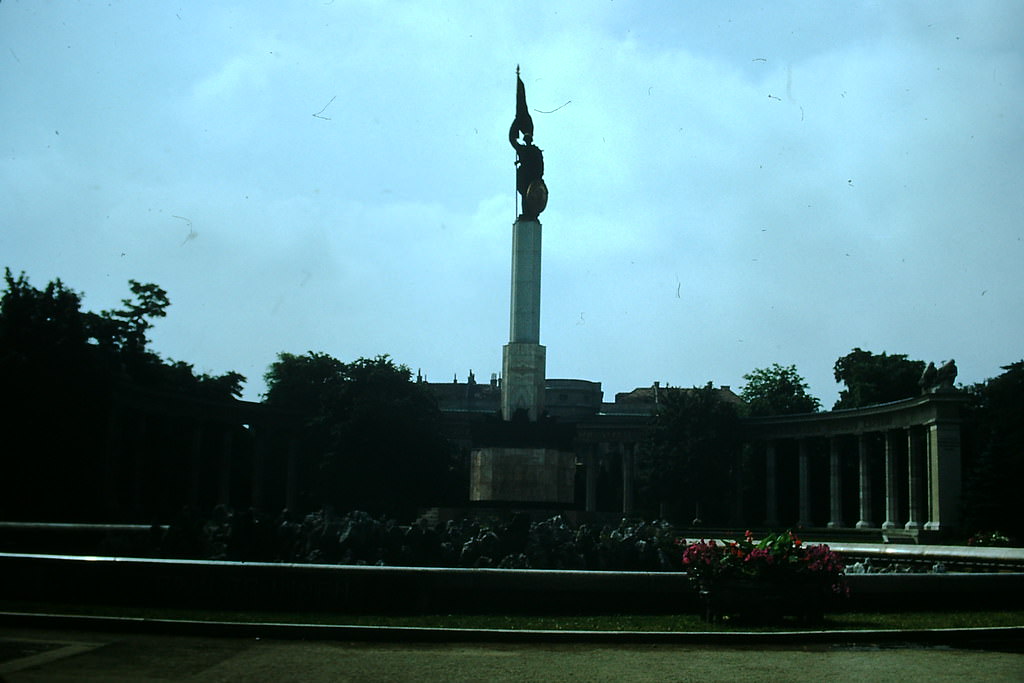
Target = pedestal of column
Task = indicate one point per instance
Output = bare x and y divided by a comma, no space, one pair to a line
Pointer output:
522,380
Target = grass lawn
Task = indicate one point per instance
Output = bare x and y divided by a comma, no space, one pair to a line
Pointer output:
607,622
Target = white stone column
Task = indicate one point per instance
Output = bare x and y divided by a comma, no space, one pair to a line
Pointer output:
771,485
835,484
913,481
864,472
805,483
943,476
524,323
523,358
891,491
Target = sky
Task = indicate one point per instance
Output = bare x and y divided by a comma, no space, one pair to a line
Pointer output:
732,184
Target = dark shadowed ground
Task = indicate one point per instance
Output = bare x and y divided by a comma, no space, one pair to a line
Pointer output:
65,655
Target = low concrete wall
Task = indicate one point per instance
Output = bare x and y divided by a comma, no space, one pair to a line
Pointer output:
996,558
256,585
245,585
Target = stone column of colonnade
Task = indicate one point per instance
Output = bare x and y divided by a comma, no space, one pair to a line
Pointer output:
835,484
864,481
226,452
804,484
195,484
771,497
628,476
929,499
943,475
772,516
595,454
913,481
891,484
772,470
590,462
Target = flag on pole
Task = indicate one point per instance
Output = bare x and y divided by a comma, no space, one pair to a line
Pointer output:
523,122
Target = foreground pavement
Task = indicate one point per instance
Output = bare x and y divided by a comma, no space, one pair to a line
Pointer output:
47,654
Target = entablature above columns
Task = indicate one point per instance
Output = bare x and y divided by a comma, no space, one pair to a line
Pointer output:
911,412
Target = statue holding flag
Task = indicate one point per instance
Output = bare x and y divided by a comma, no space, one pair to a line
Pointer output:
530,161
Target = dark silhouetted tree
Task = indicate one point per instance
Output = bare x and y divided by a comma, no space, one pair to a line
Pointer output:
777,390
876,378
375,433
996,468
63,368
688,462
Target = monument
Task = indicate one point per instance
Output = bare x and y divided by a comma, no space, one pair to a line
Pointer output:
527,460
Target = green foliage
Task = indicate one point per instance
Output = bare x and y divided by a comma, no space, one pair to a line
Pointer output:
688,462
125,328
876,378
777,390
376,433
55,357
776,557
46,339
996,467
307,384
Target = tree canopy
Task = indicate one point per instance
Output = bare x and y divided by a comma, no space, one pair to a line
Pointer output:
996,465
375,435
690,456
47,340
876,378
777,390
64,370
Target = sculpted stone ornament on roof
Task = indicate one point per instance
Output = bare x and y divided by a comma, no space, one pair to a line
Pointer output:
938,379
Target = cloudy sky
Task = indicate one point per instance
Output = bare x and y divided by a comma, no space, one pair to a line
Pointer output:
733,184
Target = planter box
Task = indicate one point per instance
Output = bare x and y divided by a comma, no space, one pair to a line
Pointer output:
764,602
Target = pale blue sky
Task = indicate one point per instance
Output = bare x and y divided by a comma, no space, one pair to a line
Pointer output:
731,185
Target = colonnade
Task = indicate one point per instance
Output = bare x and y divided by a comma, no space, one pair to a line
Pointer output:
235,450
918,465
595,455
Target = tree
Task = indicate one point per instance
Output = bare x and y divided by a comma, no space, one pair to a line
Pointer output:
876,378
125,328
995,465
689,458
40,330
63,371
777,390
374,433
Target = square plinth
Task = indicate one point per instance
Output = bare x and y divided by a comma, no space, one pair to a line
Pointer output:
522,475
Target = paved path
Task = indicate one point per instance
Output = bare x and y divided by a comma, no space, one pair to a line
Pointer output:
32,654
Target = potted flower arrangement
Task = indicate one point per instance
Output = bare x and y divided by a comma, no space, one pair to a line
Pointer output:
765,580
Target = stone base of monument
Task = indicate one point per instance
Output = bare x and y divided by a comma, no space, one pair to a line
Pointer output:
522,475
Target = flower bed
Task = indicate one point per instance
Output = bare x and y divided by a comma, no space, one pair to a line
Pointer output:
764,581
